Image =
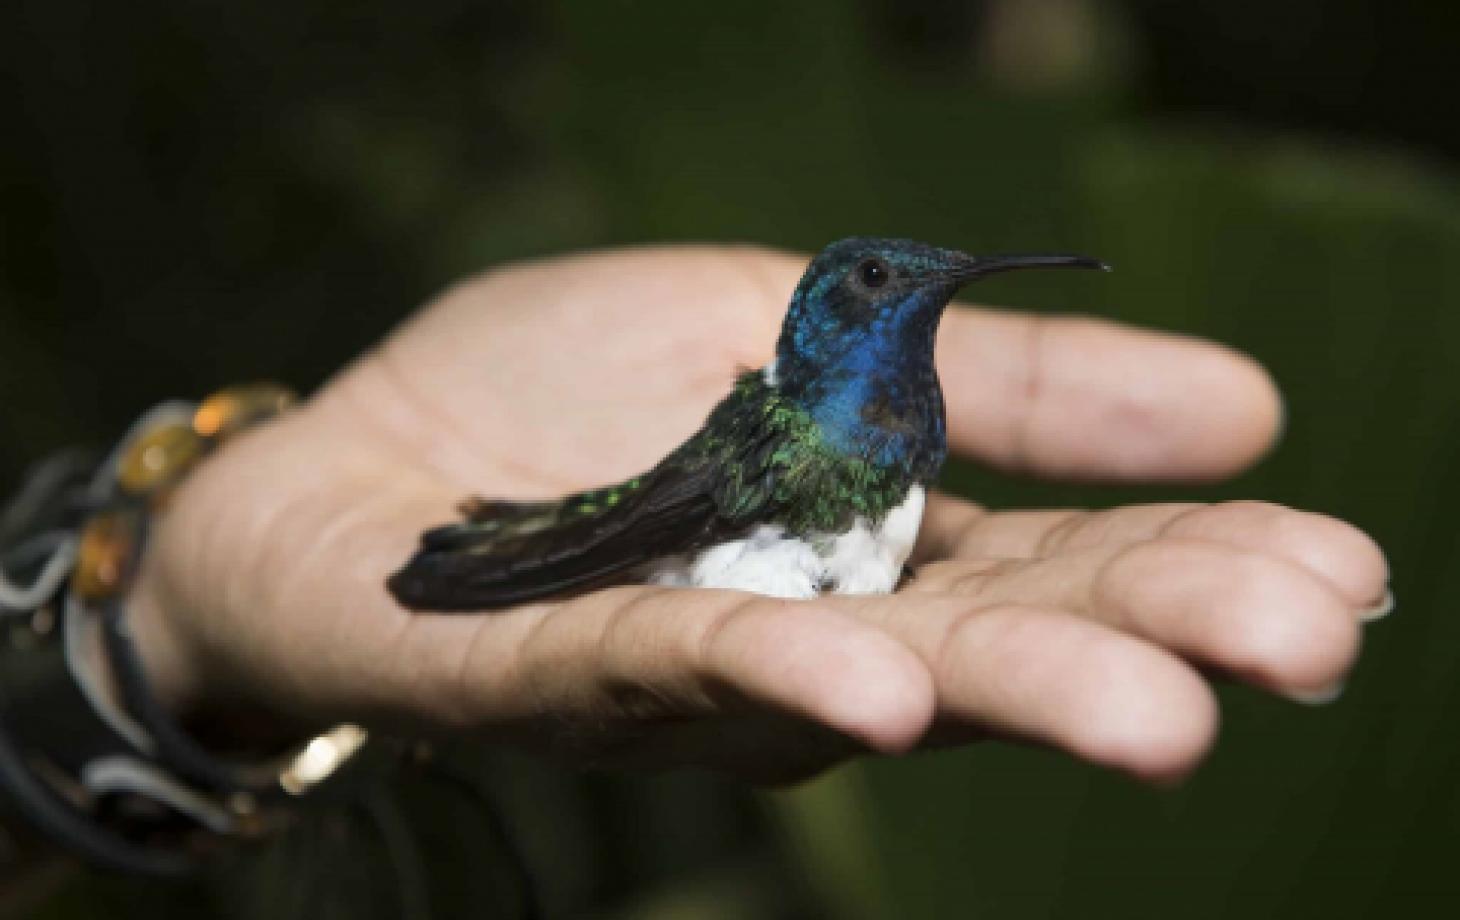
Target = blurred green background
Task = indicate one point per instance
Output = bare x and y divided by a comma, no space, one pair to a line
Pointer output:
197,193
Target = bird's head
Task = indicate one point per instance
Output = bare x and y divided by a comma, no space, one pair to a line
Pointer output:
865,303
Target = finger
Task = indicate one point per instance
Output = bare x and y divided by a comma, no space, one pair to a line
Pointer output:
1037,673
1253,615
1087,399
610,664
1344,556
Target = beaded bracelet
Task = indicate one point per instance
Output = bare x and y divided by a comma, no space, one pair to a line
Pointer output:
131,758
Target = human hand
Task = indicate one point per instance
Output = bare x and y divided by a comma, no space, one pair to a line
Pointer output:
264,588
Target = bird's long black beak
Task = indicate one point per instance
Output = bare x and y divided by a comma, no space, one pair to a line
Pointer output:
967,268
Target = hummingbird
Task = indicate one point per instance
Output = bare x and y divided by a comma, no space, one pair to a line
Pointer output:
810,476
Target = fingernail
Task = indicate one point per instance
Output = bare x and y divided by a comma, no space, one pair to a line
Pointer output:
1320,697
1380,610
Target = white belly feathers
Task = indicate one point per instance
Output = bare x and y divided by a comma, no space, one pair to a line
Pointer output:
864,560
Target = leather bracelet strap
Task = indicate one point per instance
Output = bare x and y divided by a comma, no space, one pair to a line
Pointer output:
48,735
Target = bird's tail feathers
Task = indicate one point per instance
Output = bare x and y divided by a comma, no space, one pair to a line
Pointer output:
504,553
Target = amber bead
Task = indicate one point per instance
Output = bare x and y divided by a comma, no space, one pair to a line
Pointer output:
103,556
229,411
158,457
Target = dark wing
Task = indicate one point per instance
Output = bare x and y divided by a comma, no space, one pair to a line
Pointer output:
508,553
485,566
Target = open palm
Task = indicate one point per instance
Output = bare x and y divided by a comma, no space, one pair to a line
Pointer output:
1089,631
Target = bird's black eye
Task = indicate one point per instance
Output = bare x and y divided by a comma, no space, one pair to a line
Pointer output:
872,273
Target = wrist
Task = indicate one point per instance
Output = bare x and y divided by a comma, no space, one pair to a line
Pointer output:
188,610
219,713
167,661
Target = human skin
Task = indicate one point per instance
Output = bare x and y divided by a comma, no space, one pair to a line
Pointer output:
262,598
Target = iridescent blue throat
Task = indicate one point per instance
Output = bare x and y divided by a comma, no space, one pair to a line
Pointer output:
868,380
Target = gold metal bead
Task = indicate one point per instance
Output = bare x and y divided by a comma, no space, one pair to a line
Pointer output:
158,458
229,411
105,550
